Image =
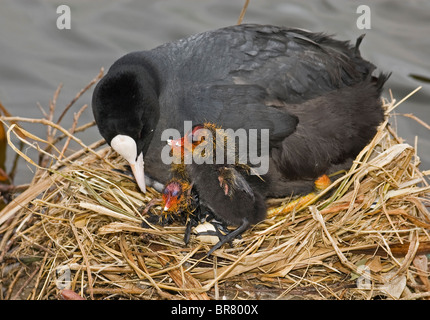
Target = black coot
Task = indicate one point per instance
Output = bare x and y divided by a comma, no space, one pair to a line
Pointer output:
316,95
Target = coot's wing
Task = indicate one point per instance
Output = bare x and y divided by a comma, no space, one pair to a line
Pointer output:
293,65
232,182
239,107
243,76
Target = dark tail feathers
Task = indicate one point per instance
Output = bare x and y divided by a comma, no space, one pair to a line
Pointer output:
383,77
357,44
380,80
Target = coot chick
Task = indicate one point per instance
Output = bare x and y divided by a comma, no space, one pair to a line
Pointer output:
177,196
181,204
236,205
177,202
316,96
181,200
221,187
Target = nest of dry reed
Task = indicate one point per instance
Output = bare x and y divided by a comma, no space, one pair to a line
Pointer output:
78,227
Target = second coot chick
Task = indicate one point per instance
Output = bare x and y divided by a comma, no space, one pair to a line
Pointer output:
178,202
240,206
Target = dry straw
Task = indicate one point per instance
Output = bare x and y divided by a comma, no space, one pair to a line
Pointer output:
78,227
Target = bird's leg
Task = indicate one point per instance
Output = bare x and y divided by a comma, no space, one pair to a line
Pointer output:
194,214
220,227
231,236
220,231
197,217
322,182
187,232
205,215
193,220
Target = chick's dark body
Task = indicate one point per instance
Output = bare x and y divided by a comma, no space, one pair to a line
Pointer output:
232,202
242,204
316,95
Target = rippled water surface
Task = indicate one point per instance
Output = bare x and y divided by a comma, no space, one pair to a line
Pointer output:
36,56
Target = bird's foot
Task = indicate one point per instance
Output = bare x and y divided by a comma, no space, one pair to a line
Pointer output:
211,231
229,237
322,182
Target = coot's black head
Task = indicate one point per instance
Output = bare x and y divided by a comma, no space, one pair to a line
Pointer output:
125,107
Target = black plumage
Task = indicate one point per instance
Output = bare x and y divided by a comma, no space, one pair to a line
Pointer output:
240,206
315,94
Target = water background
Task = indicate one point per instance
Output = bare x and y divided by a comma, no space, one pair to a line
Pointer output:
35,56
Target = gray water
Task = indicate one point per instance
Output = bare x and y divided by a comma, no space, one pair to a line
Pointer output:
36,56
